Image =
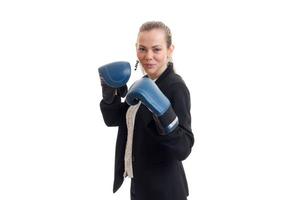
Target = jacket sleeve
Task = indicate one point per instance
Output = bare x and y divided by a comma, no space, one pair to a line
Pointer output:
113,113
180,141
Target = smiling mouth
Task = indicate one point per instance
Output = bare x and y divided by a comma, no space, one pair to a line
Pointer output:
149,65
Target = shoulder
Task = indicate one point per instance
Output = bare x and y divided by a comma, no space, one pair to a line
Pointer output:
174,85
174,78
171,78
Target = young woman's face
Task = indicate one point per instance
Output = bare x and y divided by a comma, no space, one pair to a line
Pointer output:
152,52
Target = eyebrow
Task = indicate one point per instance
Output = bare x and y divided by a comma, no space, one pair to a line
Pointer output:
155,46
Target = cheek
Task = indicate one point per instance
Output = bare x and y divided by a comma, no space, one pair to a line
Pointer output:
161,58
140,56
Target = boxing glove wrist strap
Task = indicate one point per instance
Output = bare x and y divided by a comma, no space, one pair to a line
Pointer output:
169,120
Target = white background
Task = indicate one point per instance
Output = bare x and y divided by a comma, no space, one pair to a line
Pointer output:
240,60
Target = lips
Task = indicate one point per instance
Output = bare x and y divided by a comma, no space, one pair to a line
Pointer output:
149,65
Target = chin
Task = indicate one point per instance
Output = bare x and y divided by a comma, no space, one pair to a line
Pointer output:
149,74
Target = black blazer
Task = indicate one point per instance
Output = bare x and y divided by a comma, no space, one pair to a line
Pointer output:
157,168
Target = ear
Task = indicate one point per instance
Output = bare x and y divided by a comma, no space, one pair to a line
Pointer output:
170,50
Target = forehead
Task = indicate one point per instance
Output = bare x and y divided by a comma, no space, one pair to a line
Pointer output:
152,37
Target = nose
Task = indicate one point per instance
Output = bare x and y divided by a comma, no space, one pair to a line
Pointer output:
149,55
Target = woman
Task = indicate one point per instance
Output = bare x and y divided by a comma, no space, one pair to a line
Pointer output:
145,151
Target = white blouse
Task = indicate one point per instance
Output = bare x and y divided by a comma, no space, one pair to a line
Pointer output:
130,118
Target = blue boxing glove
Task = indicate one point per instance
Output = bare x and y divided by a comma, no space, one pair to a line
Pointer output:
146,91
114,77
115,74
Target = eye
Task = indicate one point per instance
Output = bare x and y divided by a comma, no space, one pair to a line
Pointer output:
157,49
142,49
